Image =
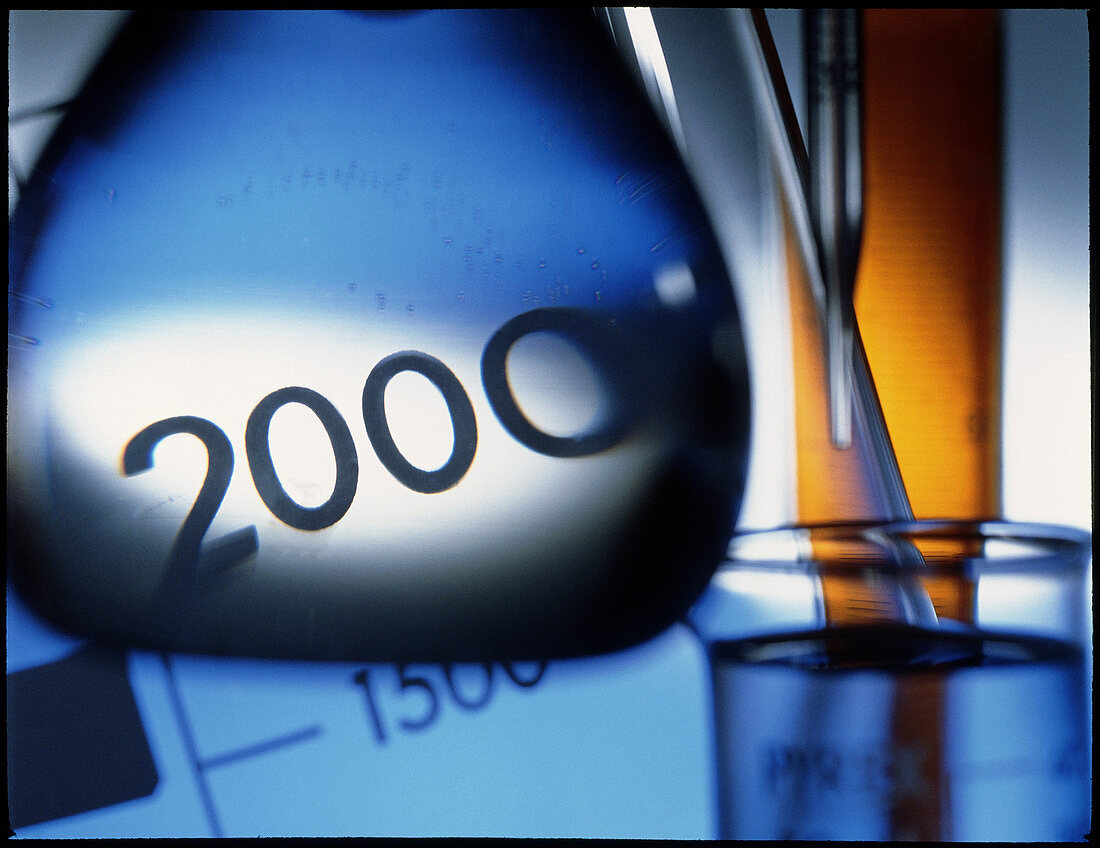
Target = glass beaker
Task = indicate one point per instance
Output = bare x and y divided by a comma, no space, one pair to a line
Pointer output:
861,720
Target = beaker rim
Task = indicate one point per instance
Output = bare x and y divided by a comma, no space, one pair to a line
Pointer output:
944,544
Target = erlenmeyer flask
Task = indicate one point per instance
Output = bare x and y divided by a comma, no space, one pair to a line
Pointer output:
368,336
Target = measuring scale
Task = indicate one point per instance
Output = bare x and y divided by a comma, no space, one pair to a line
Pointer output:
417,683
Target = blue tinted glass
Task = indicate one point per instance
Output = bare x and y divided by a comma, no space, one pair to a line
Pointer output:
369,336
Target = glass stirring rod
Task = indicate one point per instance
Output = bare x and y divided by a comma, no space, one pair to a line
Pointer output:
847,470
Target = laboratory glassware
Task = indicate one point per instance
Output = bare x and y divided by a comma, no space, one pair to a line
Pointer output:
368,336
833,688
866,725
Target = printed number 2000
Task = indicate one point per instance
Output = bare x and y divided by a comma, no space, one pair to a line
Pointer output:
188,562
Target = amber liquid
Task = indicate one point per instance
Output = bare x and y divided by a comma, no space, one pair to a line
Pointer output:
928,288
928,292
928,309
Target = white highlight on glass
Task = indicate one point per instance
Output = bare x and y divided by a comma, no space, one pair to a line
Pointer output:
675,285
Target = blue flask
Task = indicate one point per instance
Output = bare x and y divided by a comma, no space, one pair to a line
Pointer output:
368,336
